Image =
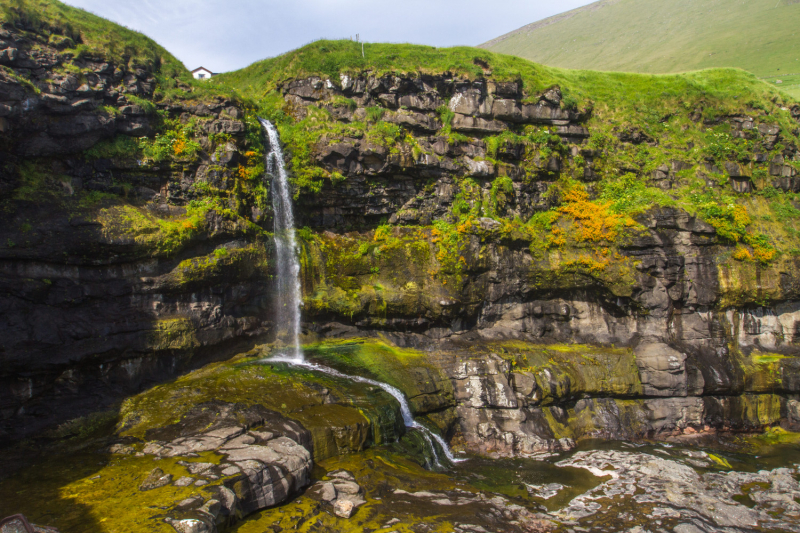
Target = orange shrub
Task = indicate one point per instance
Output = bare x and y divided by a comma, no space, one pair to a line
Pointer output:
594,220
179,146
742,254
763,253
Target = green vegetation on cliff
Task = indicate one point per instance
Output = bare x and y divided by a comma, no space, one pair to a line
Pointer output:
680,126
667,36
155,127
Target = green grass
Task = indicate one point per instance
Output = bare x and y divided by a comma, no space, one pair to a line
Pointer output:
760,36
651,96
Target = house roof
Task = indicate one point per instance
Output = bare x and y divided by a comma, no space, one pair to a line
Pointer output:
202,68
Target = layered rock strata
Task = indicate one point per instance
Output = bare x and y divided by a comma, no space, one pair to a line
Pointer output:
106,284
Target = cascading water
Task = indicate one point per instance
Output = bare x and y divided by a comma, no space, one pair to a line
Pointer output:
288,285
405,409
288,266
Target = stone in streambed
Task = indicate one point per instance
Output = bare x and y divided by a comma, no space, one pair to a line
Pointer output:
185,481
342,493
189,525
322,491
155,479
343,508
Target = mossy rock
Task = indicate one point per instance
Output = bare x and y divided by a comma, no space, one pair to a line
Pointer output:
426,386
342,416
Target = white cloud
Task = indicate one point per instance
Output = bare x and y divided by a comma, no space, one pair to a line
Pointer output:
229,34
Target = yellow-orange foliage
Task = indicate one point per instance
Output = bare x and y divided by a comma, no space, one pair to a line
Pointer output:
556,238
742,254
179,146
763,254
594,220
586,262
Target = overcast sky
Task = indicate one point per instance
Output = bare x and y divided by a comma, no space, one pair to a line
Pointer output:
224,35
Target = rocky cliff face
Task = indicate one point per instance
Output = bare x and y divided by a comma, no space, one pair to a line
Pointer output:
709,339
441,210
129,262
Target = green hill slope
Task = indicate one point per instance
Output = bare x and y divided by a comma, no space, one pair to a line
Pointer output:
761,36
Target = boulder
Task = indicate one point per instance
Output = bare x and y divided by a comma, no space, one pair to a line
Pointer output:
341,493
343,508
263,466
467,102
414,120
544,114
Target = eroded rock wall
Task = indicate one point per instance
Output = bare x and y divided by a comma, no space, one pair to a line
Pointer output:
107,280
710,341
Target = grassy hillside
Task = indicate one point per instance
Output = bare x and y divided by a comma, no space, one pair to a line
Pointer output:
623,98
761,36
73,29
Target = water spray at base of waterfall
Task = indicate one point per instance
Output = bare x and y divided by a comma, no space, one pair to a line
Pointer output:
405,409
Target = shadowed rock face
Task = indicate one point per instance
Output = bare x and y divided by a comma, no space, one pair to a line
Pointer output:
89,310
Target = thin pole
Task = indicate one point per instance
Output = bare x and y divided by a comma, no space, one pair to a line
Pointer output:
362,50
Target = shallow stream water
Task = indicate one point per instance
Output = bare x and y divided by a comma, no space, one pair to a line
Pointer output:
478,493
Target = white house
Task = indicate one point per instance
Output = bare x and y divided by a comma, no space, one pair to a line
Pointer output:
202,73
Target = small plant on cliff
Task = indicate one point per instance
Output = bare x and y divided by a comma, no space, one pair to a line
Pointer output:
445,115
375,114
175,141
121,146
629,194
729,219
502,190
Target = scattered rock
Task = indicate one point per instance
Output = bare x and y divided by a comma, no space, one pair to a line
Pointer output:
122,449
184,481
544,491
155,479
343,508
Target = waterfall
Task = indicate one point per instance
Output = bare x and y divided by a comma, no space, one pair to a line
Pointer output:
405,409
286,250
288,285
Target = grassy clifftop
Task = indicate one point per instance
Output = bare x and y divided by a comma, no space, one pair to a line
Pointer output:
728,89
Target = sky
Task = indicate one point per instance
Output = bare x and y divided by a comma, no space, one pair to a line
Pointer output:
224,35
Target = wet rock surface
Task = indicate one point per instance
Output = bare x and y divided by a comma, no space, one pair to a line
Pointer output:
665,491
223,462
652,488
261,460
